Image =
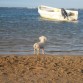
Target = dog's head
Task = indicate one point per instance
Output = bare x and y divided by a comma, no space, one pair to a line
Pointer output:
43,39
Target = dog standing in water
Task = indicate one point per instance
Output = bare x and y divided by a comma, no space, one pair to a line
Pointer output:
40,45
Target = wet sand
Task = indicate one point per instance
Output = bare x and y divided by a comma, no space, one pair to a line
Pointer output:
41,69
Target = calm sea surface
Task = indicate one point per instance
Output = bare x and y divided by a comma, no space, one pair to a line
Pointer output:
21,27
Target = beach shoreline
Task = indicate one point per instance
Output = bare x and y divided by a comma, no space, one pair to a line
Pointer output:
41,69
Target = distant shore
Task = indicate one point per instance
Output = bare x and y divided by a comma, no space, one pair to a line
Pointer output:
41,69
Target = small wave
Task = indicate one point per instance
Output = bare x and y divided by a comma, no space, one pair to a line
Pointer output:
21,50
65,51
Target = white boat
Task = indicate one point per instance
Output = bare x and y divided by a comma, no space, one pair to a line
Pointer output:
56,13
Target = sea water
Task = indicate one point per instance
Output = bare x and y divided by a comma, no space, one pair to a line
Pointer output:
20,28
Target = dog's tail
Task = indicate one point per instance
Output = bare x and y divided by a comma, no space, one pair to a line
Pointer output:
36,45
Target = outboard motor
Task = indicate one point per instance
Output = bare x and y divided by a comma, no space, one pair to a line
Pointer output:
64,13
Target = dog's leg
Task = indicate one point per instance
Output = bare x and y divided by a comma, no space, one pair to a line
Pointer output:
34,51
43,51
38,51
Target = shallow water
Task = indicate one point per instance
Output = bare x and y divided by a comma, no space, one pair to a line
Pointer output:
21,27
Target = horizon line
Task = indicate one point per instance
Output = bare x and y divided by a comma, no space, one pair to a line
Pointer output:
32,7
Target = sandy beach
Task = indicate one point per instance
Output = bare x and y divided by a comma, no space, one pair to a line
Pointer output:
41,69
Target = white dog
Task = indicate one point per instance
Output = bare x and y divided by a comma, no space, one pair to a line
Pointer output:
40,45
